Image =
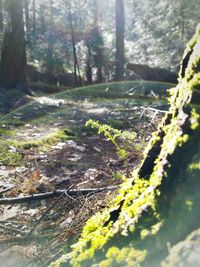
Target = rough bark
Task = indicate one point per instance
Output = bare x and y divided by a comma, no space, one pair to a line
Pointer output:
88,63
1,16
13,57
120,29
42,19
50,59
77,75
34,17
27,17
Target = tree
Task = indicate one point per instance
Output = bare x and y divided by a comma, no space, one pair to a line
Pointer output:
34,17
27,16
120,30
1,16
77,75
50,37
13,57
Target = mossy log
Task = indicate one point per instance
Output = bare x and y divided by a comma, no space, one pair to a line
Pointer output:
158,207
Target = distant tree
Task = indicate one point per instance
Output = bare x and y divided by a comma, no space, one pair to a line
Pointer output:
27,22
77,75
88,60
50,37
94,43
42,18
1,16
13,56
34,16
27,15
120,30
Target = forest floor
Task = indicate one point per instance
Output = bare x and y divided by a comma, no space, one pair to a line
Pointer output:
45,146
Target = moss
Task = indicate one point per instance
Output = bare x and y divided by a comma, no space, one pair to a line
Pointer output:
12,151
9,157
143,202
6,132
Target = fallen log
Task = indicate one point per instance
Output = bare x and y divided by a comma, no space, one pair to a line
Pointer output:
53,194
153,74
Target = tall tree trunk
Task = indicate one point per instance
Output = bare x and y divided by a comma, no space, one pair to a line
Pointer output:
120,29
13,58
50,61
42,19
99,52
27,16
34,17
88,64
77,75
95,43
1,16
27,22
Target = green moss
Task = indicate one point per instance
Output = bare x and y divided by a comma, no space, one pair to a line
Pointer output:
9,157
6,132
194,166
143,202
12,151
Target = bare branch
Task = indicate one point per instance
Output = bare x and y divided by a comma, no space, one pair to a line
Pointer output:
71,192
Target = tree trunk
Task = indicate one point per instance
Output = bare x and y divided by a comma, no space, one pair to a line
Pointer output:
13,58
27,16
1,16
88,64
42,19
120,29
50,60
34,17
77,75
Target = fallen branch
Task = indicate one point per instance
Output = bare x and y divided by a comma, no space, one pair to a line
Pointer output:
155,110
71,192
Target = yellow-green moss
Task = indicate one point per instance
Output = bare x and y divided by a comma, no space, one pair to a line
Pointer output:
139,195
10,157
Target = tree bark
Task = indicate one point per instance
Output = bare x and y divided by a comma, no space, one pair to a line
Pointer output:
50,60
27,16
1,16
77,75
88,63
34,18
120,30
13,58
42,19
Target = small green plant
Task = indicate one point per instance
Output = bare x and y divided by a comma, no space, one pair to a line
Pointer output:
122,140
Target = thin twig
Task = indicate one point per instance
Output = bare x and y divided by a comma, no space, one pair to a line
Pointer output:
72,192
